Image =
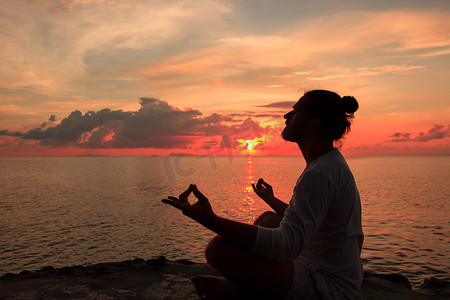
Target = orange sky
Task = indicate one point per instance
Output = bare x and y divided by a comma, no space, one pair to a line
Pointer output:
93,77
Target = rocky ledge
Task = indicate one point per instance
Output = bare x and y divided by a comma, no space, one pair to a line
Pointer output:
159,278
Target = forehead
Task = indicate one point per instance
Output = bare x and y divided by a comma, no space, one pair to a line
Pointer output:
301,103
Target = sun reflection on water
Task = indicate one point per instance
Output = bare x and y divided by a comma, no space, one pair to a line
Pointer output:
249,208
64,211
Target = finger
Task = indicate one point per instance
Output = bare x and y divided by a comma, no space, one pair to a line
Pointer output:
176,204
179,200
198,194
255,189
259,184
266,184
184,195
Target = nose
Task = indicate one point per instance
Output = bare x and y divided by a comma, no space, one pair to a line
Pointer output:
288,115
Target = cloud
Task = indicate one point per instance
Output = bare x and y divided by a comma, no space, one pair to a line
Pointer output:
397,149
401,137
8,133
369,71
350,45
198,49
386,69
292,74
392,32
60,6
437,132
156,124
111,37
281,104
247,130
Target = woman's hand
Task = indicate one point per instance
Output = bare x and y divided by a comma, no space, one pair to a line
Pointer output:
263,190
200,211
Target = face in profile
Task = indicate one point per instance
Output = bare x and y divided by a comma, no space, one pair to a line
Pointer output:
295,122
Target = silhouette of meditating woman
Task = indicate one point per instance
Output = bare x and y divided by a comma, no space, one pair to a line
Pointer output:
307,249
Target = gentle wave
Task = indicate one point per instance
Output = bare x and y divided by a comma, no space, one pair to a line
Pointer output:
79,210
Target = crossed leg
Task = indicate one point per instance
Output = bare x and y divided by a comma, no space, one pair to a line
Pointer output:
245,274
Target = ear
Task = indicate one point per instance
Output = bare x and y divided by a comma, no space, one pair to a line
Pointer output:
314,123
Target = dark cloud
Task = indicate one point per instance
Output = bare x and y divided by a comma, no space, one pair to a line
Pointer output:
276,115
8,133
209,144
273,116
435,133
401,137
155,125
282,104
51,119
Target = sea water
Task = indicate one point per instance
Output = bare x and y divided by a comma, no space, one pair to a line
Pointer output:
65,211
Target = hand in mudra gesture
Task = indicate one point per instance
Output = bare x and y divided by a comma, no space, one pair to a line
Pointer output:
199,211
263,190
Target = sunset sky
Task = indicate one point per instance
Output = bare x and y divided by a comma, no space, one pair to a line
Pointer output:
119,77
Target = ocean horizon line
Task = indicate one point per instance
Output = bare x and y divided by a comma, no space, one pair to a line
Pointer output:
197,155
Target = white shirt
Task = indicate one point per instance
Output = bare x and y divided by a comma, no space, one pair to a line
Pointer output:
321,225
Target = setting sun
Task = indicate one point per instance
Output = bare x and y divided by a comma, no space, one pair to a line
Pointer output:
127,128
65,89
249,145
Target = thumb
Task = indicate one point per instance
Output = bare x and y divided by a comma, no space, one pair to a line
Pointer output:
198,194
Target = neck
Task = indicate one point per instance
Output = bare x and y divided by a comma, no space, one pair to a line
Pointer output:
311,150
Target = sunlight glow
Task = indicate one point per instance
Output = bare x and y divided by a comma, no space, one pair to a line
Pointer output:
238,77
249,146
108,137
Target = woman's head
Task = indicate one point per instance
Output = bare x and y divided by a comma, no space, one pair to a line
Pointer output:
335,113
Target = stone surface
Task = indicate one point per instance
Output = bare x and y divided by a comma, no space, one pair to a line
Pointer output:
397,286
159,279
137,279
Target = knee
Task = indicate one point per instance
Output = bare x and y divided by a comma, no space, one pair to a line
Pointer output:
268,219
215,250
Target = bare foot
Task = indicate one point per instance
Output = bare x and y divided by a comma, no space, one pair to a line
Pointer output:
213,288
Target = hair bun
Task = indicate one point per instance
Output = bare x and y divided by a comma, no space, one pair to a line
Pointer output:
349,104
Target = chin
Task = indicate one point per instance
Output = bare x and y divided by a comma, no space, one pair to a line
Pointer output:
291,136
287,136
